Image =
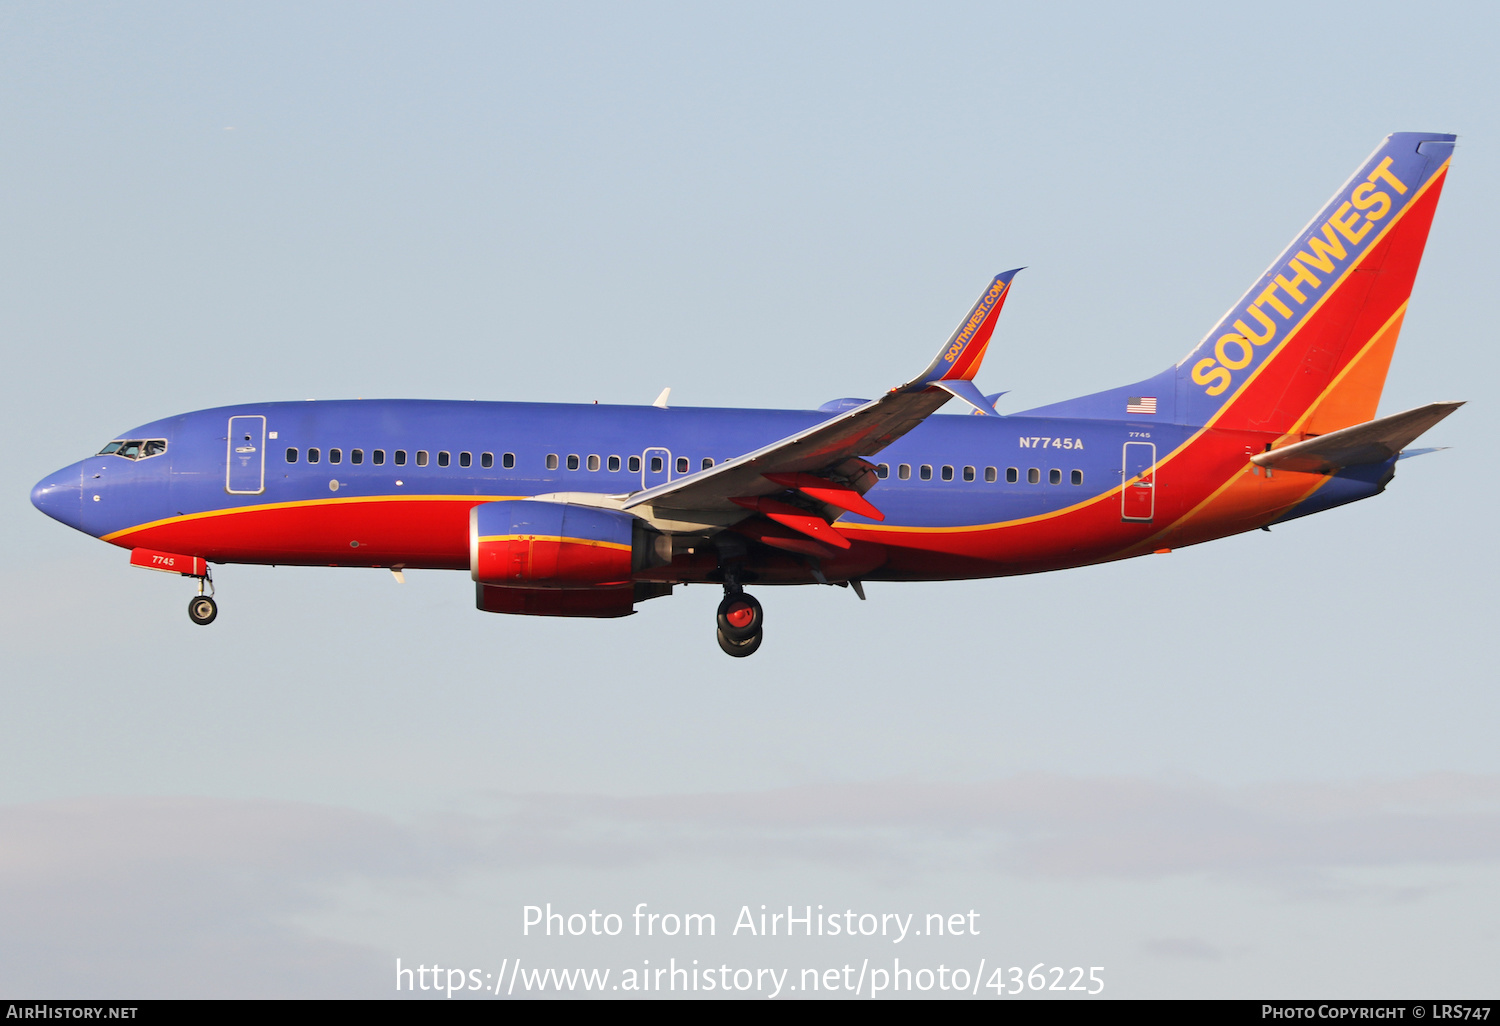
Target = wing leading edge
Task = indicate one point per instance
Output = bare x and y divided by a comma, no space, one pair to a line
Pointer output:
832,451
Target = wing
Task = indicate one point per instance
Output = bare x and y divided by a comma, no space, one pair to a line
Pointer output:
826,458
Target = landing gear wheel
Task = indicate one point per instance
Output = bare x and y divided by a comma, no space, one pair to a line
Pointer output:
740,618
202,610
740,649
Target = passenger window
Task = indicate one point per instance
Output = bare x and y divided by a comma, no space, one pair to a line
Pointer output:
883,471
335,455
356,456
154,447
613,464
291,455
312,455
487,460
656,464
421,457
682,464
552,461
990,475
400,457
508,461
465,459
968,473
707,463
633,464
904,471
444,459
378,457
1054,477
1012,475
947,473
593,463
925,472
1077,477
572,461
1033,476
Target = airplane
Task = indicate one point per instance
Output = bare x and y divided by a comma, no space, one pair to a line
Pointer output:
589,510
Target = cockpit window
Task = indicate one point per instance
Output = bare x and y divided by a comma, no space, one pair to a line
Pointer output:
135,448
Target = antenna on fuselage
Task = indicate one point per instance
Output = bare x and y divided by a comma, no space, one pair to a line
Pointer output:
661,400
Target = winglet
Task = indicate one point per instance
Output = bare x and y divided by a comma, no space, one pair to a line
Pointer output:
960,358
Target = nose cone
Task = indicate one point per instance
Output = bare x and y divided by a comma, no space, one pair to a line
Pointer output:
60,495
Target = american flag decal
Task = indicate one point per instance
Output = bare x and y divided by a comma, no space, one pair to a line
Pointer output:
1140,404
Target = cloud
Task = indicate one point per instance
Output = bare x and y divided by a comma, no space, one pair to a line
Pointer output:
1191,948
1073,827
182,897
185,896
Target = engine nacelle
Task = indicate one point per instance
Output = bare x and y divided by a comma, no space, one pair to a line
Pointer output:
521,543
598,603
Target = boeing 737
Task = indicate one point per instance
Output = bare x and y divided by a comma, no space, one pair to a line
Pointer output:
588,510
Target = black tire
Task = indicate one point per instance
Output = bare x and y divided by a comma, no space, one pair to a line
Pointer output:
740,649
731,617
202,610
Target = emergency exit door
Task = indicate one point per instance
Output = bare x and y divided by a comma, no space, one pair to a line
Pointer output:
656,467
1138,496
246,473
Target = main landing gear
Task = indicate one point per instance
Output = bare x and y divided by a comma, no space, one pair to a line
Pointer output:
203,609
741,622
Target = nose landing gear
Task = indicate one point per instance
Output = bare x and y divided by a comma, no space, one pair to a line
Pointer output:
202,610
741,622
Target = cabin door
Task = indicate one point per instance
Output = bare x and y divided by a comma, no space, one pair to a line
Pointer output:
246,473
1138,496
656,467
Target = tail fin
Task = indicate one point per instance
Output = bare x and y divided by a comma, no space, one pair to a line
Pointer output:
1307,348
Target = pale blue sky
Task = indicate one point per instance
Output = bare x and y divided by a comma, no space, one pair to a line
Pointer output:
767,205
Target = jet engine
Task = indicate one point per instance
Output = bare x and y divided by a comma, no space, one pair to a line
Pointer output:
598,603
522,543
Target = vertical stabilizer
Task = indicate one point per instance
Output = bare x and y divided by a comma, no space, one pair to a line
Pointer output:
1307,347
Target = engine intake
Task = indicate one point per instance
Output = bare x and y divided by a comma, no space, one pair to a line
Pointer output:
522,543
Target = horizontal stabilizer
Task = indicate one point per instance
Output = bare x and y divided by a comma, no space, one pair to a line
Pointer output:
966,391
989,401
1407,454
1372,442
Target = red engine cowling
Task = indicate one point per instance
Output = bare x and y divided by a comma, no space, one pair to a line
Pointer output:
600,603
522,543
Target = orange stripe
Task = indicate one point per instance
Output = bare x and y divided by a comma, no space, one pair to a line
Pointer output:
555,538
302,503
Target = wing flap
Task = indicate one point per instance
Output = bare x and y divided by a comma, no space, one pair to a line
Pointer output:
798,520
824,490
